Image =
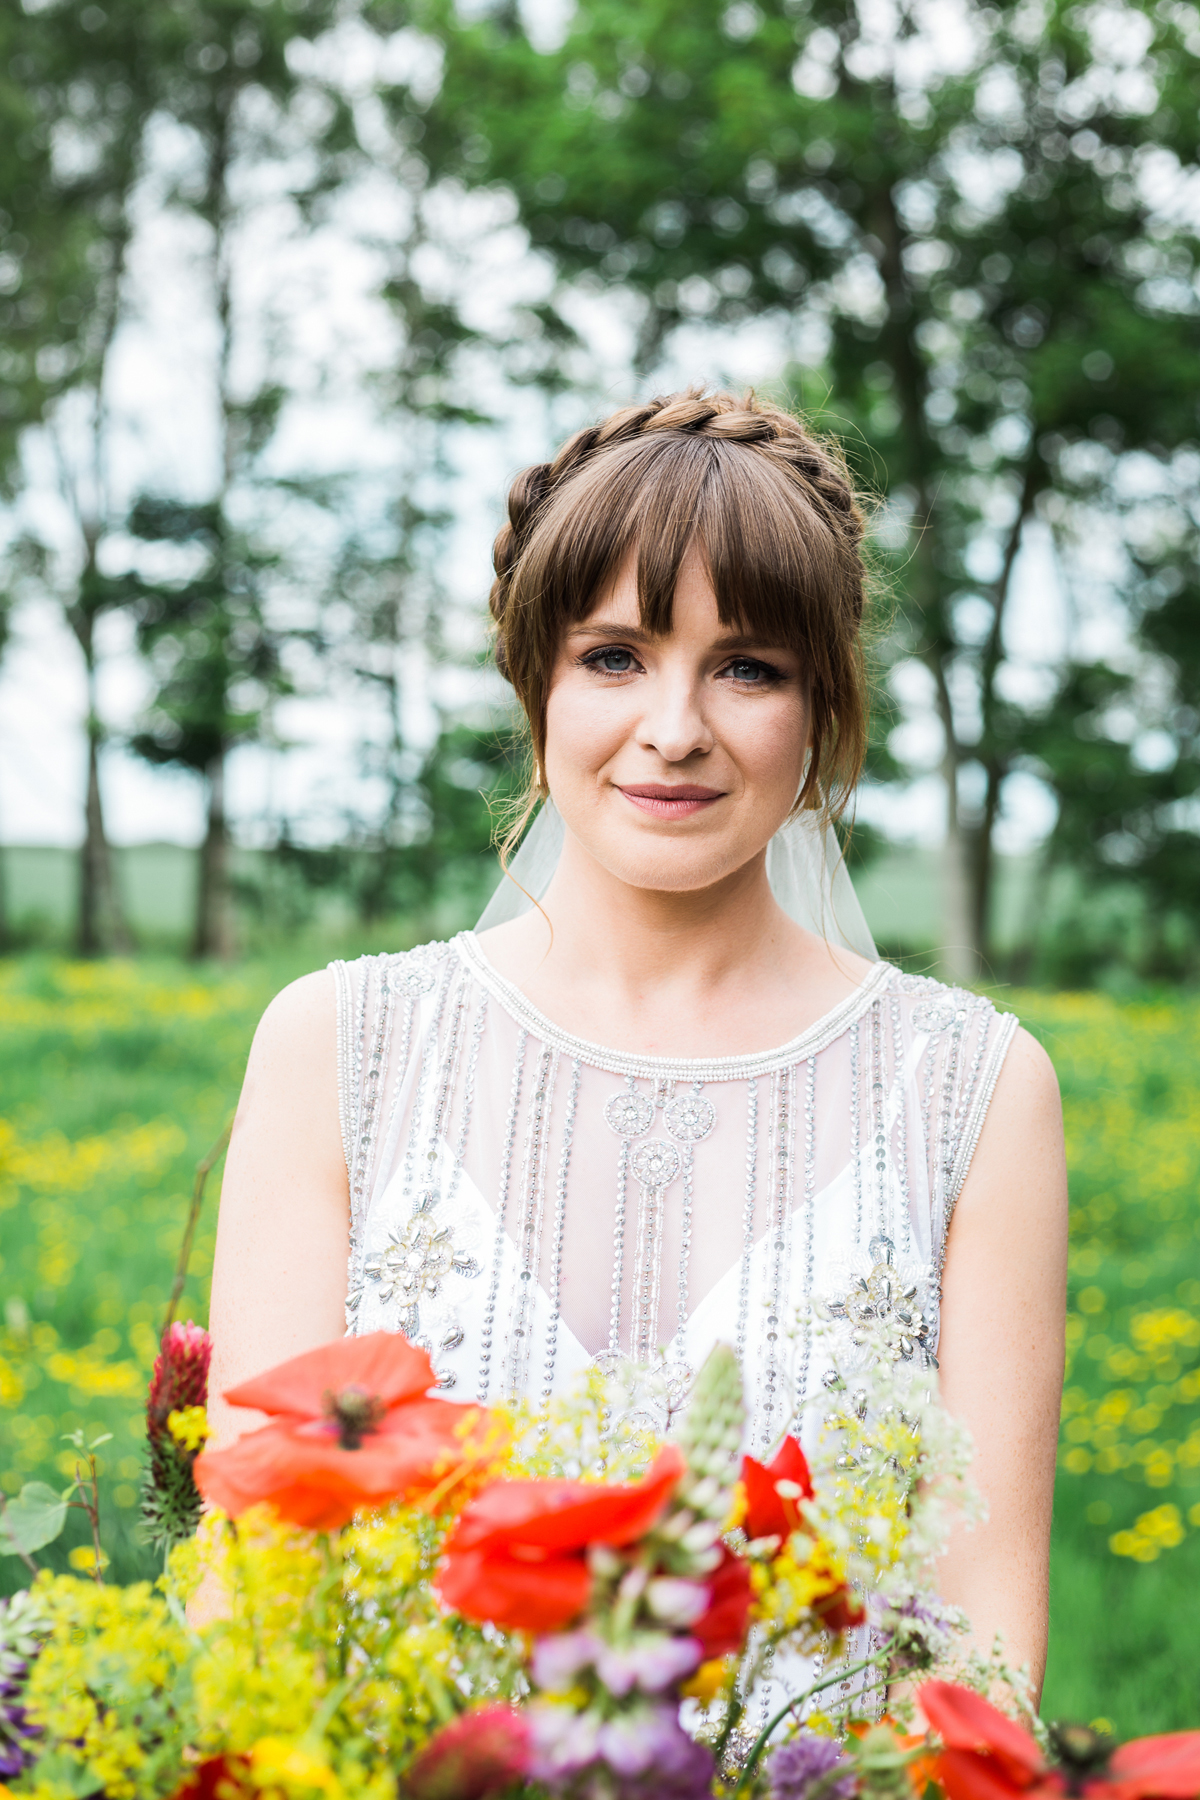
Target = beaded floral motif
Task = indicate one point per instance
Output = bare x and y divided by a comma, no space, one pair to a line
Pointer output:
890,1295
414,1263
934,1015
414,975
656,1164
689,1118
922,1059
630,1115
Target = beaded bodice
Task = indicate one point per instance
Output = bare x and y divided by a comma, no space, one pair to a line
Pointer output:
524,1202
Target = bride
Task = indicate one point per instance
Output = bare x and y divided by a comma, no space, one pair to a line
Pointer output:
666,1094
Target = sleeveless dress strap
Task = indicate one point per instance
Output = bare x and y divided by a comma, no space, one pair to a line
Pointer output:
377,1005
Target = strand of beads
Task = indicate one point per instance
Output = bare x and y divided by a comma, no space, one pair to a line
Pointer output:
878,1125
748,1219
655,1166
560,1215
369,1069
688,1120
784,1149
506,1157
529,1226
900,1081
614,1315
855,1134
810,1183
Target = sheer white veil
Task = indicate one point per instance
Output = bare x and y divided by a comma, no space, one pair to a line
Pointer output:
805,865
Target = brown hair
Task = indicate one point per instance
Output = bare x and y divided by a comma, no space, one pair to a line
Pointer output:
774,513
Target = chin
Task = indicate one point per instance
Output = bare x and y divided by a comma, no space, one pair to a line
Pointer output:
678,868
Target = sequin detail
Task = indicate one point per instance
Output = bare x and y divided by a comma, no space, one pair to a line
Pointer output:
483,1141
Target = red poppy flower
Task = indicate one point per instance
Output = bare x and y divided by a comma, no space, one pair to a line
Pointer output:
768,1512
479,1753
518,1555
723,1627
353,1426
990,1757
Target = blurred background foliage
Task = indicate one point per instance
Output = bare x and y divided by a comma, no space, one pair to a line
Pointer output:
972,230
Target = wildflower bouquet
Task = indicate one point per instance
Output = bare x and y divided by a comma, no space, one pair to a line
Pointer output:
394,1593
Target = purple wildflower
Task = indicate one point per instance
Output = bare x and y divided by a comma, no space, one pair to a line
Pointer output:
651,1664
561,1743
922,1632
805,1760
19,1645
645,1754
561,1656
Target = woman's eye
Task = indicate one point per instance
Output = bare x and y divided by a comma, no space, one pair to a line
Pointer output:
611,662
756,673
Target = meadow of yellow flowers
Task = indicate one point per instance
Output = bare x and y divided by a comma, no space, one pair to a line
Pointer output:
117,1077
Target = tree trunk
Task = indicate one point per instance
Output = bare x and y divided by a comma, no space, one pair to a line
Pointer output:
215,935
101,929
957,953
983,869
959,959
981,864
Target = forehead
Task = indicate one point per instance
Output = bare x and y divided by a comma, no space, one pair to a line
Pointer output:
694,609
694,618
645,522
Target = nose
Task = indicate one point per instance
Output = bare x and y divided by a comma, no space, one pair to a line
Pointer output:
673,720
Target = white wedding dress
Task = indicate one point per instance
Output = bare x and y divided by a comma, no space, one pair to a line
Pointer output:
523,1201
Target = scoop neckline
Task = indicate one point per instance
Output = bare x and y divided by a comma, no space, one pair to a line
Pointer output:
810,1042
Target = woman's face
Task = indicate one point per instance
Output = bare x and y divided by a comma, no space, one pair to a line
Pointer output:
673,760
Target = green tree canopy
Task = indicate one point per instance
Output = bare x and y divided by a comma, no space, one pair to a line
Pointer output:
984,240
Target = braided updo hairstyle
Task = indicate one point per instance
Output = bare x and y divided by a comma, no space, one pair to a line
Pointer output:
773,511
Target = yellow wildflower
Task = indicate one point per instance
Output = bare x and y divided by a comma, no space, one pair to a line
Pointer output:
276,1763
189,1426
708,1680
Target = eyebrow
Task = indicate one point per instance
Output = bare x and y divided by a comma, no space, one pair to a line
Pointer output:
638,634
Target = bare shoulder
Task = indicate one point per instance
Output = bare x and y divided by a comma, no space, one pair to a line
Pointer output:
303,1007
1027,1088
301,1018
291,1077
283,1228
1018,1172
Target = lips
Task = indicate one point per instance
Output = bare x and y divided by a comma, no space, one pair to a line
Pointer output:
670,800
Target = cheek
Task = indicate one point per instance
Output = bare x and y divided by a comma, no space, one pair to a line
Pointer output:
770,741
584,728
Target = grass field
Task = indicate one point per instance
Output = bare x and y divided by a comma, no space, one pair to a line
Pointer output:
116,1078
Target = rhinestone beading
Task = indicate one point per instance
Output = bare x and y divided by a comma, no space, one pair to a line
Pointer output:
510,1137
420,1086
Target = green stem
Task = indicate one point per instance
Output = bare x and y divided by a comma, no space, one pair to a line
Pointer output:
737,1704
839,1674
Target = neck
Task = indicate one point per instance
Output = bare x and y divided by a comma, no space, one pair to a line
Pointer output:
704,972
651,937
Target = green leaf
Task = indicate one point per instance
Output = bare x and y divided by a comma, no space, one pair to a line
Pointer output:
33,1519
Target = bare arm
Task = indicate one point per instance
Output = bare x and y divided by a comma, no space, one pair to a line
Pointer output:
279,1278
1003,1308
